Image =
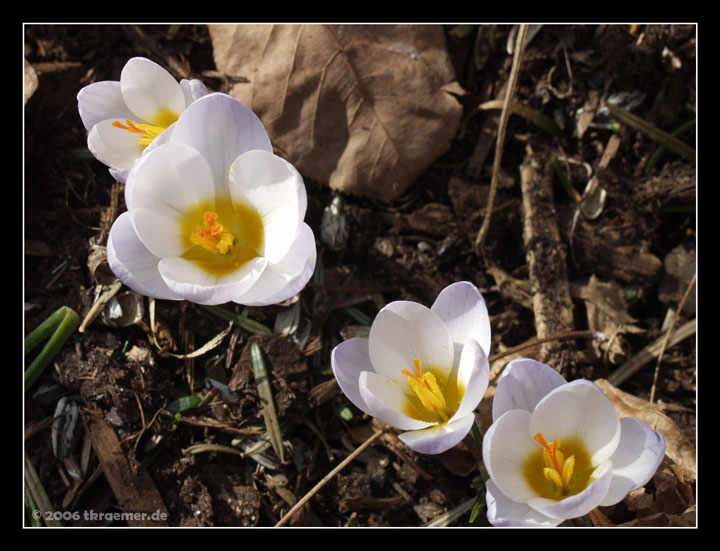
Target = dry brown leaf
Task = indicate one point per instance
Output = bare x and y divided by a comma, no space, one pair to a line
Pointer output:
679,449
607,313
363,108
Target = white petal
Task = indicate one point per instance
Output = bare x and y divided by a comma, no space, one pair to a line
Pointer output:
148,90
405,330
506,446
132,263
523,383
579,504
172,179
288,277
276,190
129,174
385,400
473,375
193,89
100,101
222,129
463,309
579,409
637,457
191,282
503,511
113,146
438,438
348,360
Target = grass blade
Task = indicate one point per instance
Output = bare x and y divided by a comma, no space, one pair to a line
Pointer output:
257,358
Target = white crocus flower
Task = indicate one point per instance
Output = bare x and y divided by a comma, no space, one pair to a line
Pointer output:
124,117
557,450
213,215
422,370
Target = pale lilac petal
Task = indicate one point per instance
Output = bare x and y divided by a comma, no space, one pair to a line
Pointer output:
636,459
132,263
113,146
581,503
473,375
193,89
503,511
285,279
193,283
348,360
506,446
523,383
438,438
149,91
579,409
100,101
405,330
463,309
277,192
221,129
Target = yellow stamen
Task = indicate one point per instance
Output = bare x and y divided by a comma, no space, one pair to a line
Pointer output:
557,469
147,132
427,389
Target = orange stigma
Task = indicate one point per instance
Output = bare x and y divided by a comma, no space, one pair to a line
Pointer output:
214,238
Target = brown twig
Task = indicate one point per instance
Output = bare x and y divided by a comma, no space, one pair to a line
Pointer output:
504,116
329,477
667,336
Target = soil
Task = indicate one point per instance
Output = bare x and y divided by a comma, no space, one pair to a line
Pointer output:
125,378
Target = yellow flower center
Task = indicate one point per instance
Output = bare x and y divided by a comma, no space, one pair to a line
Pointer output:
148,132
224,238
553,475
428,390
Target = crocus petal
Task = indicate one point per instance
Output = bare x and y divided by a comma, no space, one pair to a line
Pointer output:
187,279
637,457
193,90
150,91
474,376
276,190
132,263
174,179
114,148
405,330
579,409
523,383
581,503
503,511
385,399
221,129
286,278
100,101
506,446
438,438
348,360
463,309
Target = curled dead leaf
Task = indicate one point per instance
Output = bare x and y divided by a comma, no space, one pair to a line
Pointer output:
679,449
363,108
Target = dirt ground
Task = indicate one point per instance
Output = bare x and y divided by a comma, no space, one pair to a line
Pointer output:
637,255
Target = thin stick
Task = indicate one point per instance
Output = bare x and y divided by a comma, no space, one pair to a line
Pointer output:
667,336
504,116
328,477
557,337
